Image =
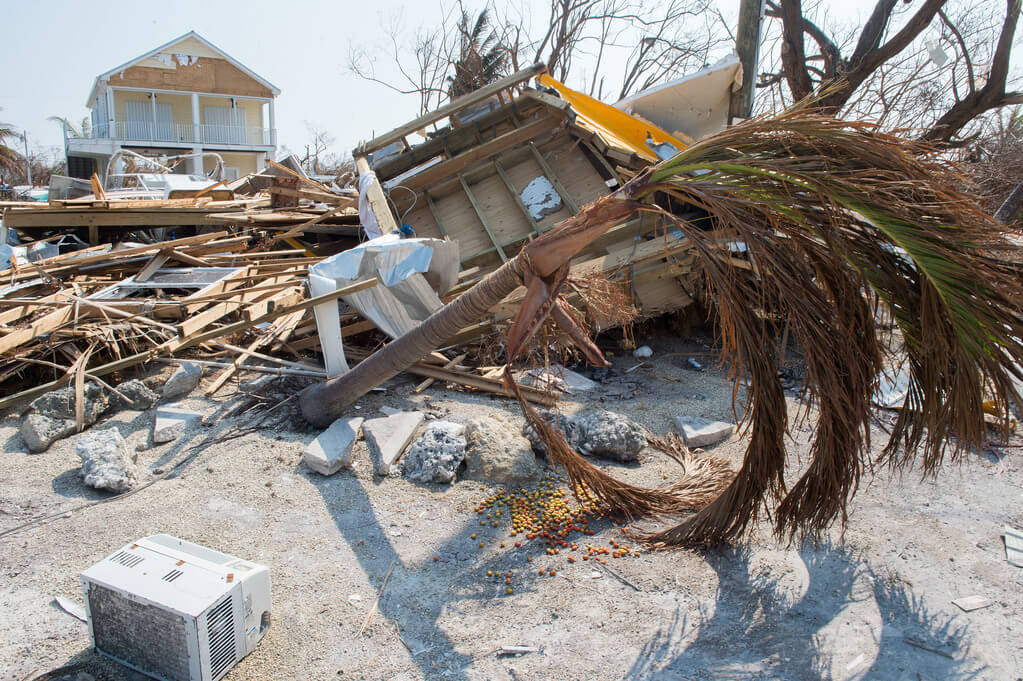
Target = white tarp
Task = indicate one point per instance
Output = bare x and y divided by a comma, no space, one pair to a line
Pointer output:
411,273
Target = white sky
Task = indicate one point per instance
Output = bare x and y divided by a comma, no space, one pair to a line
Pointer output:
52,51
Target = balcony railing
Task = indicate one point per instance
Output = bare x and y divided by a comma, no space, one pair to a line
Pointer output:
147,131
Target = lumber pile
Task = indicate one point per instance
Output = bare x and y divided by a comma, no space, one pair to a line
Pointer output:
221,278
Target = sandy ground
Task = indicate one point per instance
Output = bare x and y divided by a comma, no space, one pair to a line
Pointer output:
874,604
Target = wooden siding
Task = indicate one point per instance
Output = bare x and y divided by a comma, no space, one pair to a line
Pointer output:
215,76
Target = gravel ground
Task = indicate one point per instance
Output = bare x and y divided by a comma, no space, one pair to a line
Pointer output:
874,604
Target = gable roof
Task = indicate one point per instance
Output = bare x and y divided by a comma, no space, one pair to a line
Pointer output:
104,77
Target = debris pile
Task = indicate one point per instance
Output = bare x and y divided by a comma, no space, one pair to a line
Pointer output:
267,274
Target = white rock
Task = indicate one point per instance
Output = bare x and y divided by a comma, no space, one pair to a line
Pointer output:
610,435
701,432
388,437
437,454
107,462
332,449
40,431
171,422
184,380
643,352
498,453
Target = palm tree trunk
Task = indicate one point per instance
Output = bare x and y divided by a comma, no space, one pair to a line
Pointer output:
324,402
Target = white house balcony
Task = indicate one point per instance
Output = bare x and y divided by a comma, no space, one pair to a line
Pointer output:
130,132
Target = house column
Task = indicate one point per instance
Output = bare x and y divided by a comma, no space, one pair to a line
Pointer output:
109,94
273,125
152,132
196,163
196,128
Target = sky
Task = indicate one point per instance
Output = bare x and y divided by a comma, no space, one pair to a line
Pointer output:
52,51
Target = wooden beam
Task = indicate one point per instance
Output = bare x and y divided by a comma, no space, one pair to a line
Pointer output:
455,165
515,195
483,218
452,142
178,344
549,173
50,218
443,112
377,199
430,381
436,216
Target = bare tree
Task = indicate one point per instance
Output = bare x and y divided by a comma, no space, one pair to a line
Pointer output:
421,70
321,159
935,67
585,39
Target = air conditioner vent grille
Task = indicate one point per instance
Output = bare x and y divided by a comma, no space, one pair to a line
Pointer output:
172,575
126,559
220,626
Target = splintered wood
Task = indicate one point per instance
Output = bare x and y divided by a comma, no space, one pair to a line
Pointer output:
219,276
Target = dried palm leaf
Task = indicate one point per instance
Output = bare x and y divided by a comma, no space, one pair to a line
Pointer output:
831,214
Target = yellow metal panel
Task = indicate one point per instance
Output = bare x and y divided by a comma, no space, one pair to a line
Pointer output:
614,126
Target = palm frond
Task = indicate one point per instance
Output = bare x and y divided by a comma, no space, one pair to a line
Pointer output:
836,217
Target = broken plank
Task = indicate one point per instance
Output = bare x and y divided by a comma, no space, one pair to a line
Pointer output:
444,169
440,113
377,199
430,381
178,344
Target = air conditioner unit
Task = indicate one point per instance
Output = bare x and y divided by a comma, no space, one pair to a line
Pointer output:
175,610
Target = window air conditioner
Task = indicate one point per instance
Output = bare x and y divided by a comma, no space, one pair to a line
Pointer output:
175,610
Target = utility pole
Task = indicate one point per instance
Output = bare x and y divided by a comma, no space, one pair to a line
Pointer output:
28,161
747,45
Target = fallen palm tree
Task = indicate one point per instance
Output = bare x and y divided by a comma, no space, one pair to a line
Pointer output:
836,219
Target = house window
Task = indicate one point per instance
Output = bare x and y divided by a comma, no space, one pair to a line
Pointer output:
223,125
139,123
138,116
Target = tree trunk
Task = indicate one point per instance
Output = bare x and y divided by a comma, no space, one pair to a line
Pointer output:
323,403
1012,206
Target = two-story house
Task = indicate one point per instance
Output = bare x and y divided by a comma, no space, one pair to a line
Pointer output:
187,96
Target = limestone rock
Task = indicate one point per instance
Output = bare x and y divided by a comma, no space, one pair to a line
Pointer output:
497,452
388,437
60,404
40,431
184,380
107,462
701,432
595,432
137,396
610,435
437,454
52,416
569,428
332,449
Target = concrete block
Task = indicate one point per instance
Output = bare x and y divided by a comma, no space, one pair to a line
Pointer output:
388,437
332,449
184,380
171,422
437,454
136,396
107,462
701,432
40,431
